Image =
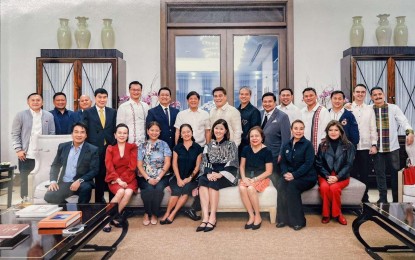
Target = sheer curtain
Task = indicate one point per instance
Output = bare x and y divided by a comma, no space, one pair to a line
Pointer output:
405,90
207,87
182,88
373,74
97,75
58,78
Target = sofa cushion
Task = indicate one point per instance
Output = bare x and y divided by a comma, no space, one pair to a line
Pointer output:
351,195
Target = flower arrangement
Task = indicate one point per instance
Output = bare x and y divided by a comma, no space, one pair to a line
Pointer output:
148,99
208,106
324,97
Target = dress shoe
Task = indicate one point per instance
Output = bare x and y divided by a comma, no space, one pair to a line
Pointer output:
325,220
201,228
255,227
342,220
249,226
298,227
107,229
280,225
153,221
166,222
146,222
208,229
191,213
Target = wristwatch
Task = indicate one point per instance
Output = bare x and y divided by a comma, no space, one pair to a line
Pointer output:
147,179
81,180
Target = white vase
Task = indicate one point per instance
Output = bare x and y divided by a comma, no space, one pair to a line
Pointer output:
82,34
64,34
384,31
400,33
357,32
107,35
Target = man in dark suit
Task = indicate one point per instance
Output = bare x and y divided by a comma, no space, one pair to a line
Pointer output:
276,127
100,121
85,103
73,169
345,117
165,115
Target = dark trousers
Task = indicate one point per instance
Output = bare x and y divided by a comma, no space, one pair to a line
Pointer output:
276,172
387,162
289,203
59,196
361,169
152,195
100,184
25,167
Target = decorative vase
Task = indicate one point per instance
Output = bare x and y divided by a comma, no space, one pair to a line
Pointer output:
64,34
400,33
384,31
107,35
82,34
357,32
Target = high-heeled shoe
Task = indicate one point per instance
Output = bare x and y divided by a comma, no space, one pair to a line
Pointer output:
325,220
342,220
200,228
249,226
208,229
107,229
255,227
167,221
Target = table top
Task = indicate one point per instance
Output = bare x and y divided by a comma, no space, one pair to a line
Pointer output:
402,215
45,246
7,168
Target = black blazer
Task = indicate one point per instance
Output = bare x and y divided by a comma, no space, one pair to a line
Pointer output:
167,131
350,126
340,162
87,166
96,133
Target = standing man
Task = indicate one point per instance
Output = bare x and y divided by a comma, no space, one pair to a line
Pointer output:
287,106
227,112
368,137
64,118
345,117
26,126
165,115
276,126
315,118
73,169
196,117
85,103
100,121
250,116
388,118
133,113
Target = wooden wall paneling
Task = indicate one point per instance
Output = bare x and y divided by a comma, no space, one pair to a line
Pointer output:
391,80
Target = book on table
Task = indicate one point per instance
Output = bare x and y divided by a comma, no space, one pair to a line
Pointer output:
11,230
56,231
60,219
11,243
37,211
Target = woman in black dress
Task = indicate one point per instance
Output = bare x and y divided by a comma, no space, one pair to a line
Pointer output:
187,155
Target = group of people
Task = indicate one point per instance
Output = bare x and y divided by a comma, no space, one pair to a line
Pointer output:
197,153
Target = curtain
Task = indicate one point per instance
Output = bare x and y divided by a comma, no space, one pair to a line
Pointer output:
58,77
182,88
405,90
97,75
373,74
207,87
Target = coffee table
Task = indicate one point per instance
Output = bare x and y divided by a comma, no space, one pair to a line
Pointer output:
396,218
8,180
56,246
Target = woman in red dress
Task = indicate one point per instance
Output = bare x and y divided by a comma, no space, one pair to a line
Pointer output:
121,163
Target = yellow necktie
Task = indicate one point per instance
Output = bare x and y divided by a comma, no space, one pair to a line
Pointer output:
102,117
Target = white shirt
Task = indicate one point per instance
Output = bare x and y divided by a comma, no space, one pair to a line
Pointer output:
396,117
292,111
98,109
36,130
267,114
164,110
199,120
232,116
324,119
334,115
134,115
366,121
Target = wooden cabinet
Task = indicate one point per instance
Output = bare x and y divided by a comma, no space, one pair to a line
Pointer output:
392,69
78,72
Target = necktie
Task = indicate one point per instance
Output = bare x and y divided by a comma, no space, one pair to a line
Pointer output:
102,117
265,121
166,111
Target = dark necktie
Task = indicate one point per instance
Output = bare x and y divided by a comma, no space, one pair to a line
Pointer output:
265,121
166,111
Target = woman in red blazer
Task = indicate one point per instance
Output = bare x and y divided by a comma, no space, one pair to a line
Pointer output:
121,163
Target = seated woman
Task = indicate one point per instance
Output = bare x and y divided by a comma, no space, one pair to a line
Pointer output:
218,171
333,163
187,155
121,163
154,157
256,166
297,175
